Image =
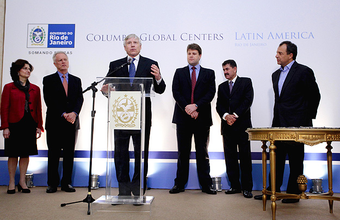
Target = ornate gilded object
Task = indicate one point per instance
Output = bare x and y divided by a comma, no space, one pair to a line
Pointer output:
307,135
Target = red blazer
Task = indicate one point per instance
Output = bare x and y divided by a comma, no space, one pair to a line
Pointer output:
13,105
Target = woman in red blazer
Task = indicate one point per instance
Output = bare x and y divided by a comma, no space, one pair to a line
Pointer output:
21,122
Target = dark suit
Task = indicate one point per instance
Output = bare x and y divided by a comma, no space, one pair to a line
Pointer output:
186,126
122,137
238,102
296,106
61,134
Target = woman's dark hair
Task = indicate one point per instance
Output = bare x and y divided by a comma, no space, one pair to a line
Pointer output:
16,67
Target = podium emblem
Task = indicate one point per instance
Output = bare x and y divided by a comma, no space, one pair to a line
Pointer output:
125,110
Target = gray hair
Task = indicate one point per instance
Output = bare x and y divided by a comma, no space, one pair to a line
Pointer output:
132,36
56,53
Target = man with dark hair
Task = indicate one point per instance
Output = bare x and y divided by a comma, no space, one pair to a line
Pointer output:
193,89
291,48
297,99
234,99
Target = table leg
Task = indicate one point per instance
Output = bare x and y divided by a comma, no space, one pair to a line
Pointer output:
330,174
273,177
264,173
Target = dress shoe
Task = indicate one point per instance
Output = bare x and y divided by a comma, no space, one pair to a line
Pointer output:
176,189
68,188
20,189
290,200
209,190
247,194
10,191
232,191
259,197
51,189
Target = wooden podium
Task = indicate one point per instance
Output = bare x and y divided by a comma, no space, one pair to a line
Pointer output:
307,135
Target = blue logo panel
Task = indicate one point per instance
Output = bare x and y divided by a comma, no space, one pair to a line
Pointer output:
61,36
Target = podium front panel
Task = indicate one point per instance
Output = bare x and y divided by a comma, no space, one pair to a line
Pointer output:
125,137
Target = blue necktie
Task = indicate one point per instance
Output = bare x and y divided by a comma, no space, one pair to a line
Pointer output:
132,71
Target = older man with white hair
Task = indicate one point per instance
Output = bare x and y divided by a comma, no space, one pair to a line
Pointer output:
139,66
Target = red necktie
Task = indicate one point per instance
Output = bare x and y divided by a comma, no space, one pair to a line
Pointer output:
65,84
193,83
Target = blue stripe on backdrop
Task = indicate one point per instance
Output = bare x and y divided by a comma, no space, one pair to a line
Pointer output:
160,179
166,155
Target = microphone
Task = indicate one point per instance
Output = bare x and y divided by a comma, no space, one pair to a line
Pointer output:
119,67
94,84
129,61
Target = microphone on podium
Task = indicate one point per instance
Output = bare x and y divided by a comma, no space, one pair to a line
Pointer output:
119,67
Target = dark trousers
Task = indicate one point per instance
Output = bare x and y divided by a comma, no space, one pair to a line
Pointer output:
184,138
61,139
295,152
230,143
122,160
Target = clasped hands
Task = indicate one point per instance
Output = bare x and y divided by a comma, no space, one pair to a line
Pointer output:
231,118
70,117
191,110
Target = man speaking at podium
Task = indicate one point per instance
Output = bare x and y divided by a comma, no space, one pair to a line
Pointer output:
134,65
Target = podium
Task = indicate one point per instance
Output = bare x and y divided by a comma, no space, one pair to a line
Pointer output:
125,141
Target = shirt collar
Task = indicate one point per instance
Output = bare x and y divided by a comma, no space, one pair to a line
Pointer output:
234,80
136,58
288,66
197,67
61,75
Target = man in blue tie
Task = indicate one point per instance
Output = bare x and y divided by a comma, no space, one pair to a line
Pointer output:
139,67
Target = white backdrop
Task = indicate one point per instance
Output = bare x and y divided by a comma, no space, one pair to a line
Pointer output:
247,31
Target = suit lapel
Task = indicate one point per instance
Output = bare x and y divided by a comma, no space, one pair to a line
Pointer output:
200,76
59,84
71,83
141,66
235,86
276,77
289,77
125,69
187,75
